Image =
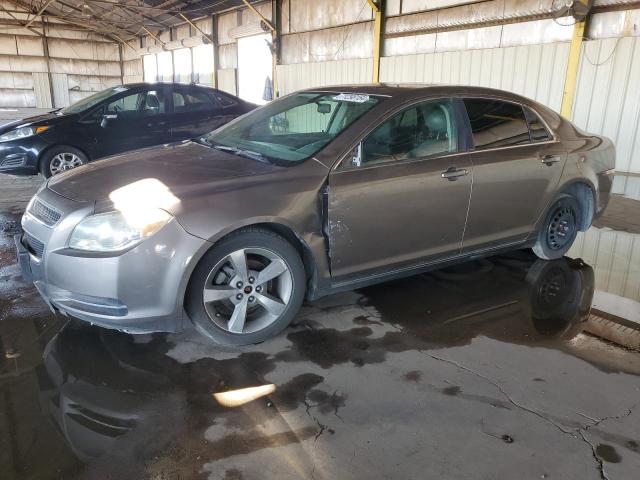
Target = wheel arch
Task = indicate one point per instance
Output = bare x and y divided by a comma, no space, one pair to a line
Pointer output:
273,225
585,193
291,236
55,145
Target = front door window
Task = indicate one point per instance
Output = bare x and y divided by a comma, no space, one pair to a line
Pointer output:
423,130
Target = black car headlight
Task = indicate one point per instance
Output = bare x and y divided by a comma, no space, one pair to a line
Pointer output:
22,132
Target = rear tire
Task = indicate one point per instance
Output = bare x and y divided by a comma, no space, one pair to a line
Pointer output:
60,159
559,229
247,288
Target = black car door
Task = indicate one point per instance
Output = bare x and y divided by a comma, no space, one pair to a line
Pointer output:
133,119
194,112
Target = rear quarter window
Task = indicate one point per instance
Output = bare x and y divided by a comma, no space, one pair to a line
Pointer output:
223,100
539,132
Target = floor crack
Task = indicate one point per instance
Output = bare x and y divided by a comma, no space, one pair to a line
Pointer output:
597,422
596,458
581,431
503,392
578,433
321,426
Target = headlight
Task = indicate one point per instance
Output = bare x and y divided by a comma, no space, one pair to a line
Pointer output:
22,133
113,231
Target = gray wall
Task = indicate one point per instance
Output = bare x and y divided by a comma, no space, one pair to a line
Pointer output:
79,64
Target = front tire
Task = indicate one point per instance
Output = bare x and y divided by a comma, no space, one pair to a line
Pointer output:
247,288
559,229
60,159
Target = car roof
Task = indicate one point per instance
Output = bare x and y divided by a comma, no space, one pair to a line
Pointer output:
420,90
145,84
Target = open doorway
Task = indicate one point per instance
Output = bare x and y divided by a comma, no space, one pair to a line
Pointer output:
254,69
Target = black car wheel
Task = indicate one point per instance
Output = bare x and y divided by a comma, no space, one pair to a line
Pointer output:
247,288
60,159
560,294
559,229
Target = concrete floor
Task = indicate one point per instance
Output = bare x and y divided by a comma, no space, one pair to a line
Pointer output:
493,369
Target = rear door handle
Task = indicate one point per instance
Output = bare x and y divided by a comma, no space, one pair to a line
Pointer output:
452,173
549,159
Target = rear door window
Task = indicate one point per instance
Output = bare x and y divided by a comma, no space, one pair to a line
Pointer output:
495,123
191,101
539,132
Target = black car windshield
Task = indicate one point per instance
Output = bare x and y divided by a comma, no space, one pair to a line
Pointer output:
293,128
96,98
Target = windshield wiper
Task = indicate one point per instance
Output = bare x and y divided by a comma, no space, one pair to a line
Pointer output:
243,153
202,141
253,155
224,148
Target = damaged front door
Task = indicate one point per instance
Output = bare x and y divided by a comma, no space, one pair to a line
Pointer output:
402,196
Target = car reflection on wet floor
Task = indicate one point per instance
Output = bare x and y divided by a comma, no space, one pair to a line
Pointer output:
484,370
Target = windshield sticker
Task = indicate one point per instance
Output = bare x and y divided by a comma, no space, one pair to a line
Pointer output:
351,97
120,89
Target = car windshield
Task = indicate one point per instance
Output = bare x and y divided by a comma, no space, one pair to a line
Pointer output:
293,128
96,98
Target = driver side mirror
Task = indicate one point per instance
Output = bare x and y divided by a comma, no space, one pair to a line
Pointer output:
106,118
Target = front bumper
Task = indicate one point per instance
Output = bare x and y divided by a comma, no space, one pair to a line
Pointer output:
138,291
20,157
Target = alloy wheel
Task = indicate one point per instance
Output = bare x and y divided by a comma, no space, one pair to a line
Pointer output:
247,290
64,161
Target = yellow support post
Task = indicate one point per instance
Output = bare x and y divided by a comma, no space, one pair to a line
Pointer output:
376,6
571,78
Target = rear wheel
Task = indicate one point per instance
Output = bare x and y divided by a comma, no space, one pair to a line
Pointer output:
247,288
559,229
60,159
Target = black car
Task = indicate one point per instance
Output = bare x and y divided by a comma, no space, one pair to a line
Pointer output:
115,120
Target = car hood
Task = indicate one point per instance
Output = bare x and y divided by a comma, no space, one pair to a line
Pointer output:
50,118
174,170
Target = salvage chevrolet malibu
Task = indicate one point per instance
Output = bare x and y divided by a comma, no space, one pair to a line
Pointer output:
320,191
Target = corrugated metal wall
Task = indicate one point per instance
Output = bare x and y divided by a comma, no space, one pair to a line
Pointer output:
536,71
305,75
131,65
227,80
42,90
616,258
88,63
60,83
608,96
627,185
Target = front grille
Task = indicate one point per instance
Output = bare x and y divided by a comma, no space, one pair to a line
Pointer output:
35,246
47,215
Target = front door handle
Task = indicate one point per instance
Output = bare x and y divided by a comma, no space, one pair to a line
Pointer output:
452,173
549,159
